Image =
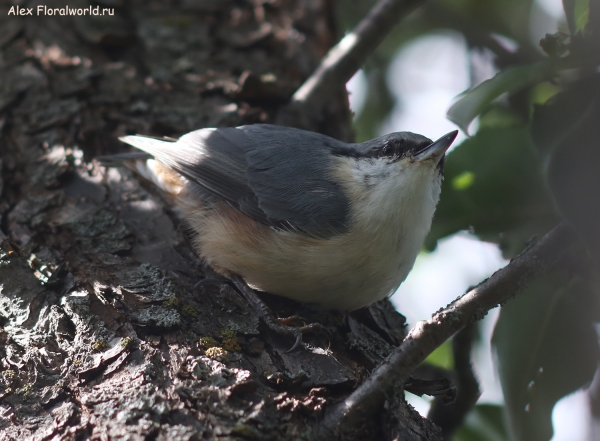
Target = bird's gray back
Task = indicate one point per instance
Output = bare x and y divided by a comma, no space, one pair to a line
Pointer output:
277,175
289,169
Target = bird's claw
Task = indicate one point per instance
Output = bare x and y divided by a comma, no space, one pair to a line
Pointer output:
296,343
298,332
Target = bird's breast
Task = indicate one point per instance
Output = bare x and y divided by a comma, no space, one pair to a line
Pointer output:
343,272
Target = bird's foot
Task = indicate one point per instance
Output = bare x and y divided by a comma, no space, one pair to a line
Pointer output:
283,327
441,388
278,325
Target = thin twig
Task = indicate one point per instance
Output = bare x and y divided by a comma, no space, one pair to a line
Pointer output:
504,284
345,58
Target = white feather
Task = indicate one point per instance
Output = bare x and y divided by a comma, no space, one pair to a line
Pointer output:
392,210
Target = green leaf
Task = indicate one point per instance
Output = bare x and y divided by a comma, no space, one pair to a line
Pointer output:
442,356
506,200
463,181
484,423
498,116
581,13
543,92
566,131
569,8
546,348
475,100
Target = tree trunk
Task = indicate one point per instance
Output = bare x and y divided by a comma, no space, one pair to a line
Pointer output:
103,335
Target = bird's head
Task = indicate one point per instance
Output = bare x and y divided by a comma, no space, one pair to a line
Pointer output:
410,150
398,174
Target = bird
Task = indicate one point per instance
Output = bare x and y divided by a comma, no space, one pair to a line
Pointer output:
297,213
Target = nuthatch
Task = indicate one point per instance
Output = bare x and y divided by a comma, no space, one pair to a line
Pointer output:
299,214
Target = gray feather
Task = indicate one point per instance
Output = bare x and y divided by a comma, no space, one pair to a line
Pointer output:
276,175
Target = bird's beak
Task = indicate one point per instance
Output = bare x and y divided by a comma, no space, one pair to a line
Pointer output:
436,149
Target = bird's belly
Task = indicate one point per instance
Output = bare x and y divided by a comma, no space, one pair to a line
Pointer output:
342,273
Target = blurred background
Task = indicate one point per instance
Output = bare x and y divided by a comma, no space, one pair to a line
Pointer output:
496,196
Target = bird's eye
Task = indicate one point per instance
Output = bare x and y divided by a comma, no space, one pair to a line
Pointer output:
391,148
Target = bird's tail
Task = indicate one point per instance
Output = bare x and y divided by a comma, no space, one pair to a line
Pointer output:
144,163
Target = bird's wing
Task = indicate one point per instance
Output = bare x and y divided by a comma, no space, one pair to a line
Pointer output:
276,175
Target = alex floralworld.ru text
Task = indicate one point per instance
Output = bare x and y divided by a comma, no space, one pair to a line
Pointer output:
44,10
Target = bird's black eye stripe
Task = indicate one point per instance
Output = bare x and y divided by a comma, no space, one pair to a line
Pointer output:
391,149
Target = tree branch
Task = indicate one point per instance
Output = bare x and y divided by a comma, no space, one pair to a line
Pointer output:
345,58
504,284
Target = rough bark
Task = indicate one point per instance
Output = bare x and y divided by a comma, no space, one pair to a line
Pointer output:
102,335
